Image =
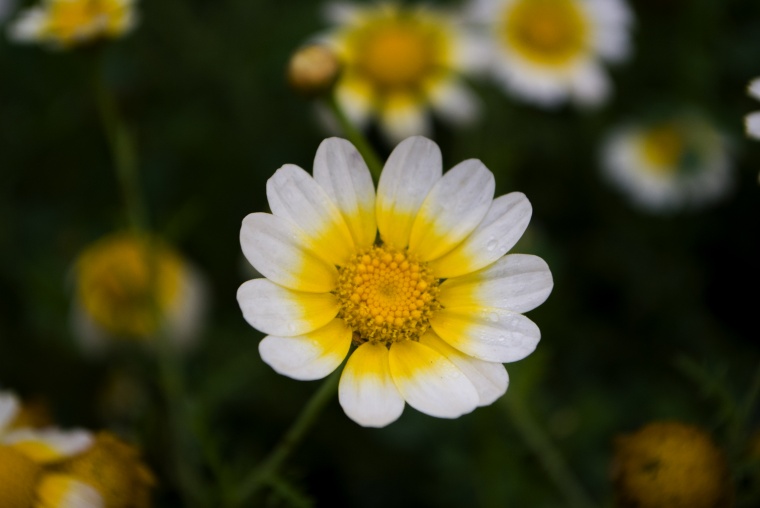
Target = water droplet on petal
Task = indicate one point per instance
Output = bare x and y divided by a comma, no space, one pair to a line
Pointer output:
492,244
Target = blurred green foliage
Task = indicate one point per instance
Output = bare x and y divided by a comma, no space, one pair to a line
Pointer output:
652,317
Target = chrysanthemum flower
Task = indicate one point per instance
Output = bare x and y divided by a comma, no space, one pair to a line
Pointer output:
115,470
66,23
549,51
131,287
415,277
670,464
28,462
676,163
399,62
752,121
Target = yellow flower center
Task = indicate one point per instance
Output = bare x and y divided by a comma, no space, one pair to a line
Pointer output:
663,147
127,284
397,51
547,32
18,478
387,296
115,470
70,19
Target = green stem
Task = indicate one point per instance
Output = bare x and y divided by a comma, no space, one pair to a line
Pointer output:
269,468
357,138
124,154
546,453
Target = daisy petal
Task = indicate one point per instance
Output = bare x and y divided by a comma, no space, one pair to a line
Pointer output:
455,102
310,356
491,334
412,169
48,445
504,224
276,310
752,123
279,251
294,195
754,88
356,98
452,210
517,282
429,382
490,379
62,491
590,85
366,391
402,117
9,407
340,170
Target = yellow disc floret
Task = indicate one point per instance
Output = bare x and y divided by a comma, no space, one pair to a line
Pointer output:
663,147
18,478
127,283
550,32
386,295
71,20
670,465
115,470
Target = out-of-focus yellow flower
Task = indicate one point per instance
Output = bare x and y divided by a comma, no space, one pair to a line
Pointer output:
66,23
679,162
549,51
136,287
115,470
399,62
29,477
670,465
33,413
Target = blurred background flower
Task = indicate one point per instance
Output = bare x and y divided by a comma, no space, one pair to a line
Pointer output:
752,121
669,164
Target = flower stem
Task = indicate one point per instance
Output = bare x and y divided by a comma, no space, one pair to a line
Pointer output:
357,138
266,471
546,453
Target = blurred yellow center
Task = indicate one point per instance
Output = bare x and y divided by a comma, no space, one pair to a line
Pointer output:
71,18
548,32
115,470
127,284
18,478
387,296
662,147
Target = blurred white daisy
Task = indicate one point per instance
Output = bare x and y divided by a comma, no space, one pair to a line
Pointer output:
677,163
752,121
414,276
27,456
66,23
400,62
551,51
134,288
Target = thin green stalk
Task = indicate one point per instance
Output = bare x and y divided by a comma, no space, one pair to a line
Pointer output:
268,469
546,453
357,138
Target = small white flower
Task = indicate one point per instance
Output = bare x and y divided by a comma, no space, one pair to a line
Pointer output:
752,121
415,276
399,63
682,162
551,51
67,23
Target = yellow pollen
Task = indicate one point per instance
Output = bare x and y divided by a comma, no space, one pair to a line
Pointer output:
393,302
549,32
18,478
663,147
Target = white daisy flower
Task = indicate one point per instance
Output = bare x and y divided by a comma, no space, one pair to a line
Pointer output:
551,51
401,62
678,163
134,288
25,457
414,276
752,121
66,23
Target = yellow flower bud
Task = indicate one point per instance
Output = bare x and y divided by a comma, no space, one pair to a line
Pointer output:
313,70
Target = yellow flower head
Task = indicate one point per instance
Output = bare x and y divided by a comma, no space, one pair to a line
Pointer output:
670,465
66,23
135,287
115,470
416,276
399,62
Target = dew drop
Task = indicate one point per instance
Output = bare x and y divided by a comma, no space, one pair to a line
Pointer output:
492,244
